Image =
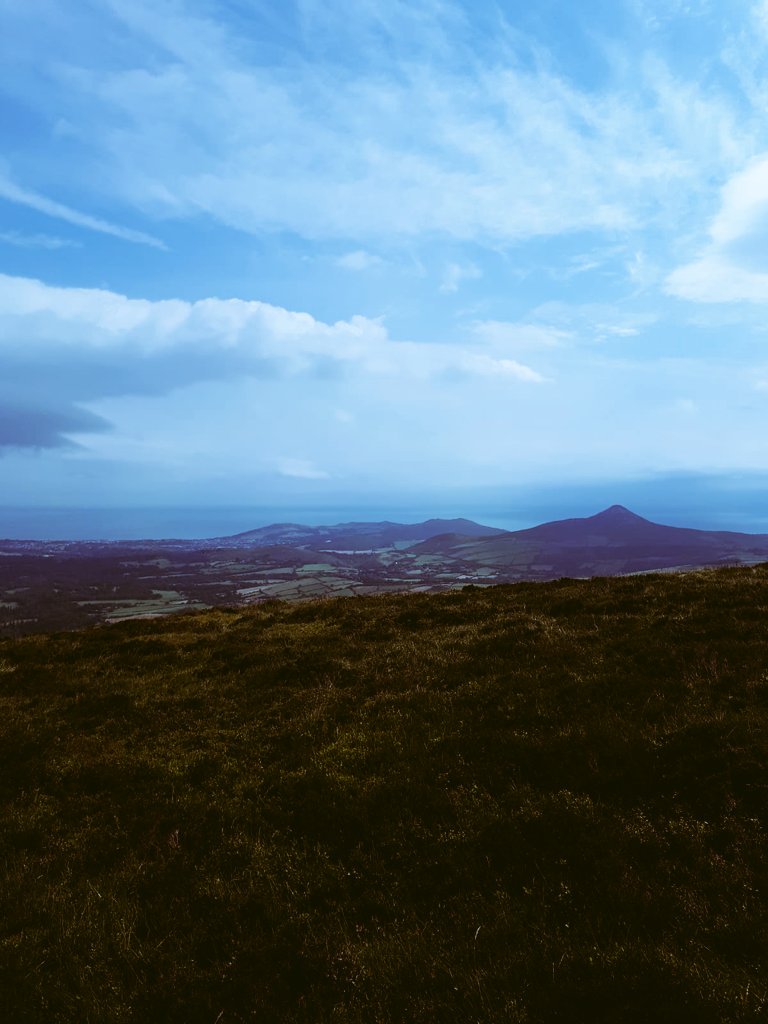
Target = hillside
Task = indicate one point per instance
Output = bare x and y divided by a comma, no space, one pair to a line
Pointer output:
530,803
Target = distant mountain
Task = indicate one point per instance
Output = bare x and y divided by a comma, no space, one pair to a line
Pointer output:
614,541
354,536
110,581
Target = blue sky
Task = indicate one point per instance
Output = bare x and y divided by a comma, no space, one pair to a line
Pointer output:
260,253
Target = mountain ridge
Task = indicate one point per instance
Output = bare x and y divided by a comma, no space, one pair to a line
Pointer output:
73,584
615,519
613,541
367,534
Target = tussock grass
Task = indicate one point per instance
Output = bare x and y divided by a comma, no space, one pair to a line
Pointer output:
516,804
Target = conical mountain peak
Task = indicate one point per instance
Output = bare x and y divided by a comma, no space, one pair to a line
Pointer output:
618,514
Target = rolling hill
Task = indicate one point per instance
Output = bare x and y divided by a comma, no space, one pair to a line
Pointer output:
354,536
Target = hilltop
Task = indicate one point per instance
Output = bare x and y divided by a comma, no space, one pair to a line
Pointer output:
520,804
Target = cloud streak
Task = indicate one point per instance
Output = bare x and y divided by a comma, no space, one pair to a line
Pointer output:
13,193
449,129
37,241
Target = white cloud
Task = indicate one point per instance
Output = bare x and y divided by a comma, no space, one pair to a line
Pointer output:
744,204
229,333
442,132
728,267
359,260
561,324
656,15
641,271
503,335
81,345
714,278
582,264
84,319
488,366
760,13
15,194
455,273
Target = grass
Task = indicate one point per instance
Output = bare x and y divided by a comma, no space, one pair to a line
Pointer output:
530,803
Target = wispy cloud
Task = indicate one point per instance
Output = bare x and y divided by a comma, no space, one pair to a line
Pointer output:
455,273
13,193
451,131
488,366
565,322
37,241
359,260
502,335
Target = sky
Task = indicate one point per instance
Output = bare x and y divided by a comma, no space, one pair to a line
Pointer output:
378,251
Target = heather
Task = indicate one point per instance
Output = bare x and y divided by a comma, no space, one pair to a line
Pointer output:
526,803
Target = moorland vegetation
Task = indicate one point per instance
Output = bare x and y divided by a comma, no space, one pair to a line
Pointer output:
528,803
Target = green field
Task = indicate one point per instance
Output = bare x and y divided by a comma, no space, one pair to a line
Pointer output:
164,602
528,804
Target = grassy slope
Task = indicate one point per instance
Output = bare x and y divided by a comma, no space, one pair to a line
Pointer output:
532,803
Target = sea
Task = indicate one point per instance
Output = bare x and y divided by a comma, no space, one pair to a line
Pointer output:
199,523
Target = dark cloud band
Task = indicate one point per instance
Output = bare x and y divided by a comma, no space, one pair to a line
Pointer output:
29,427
